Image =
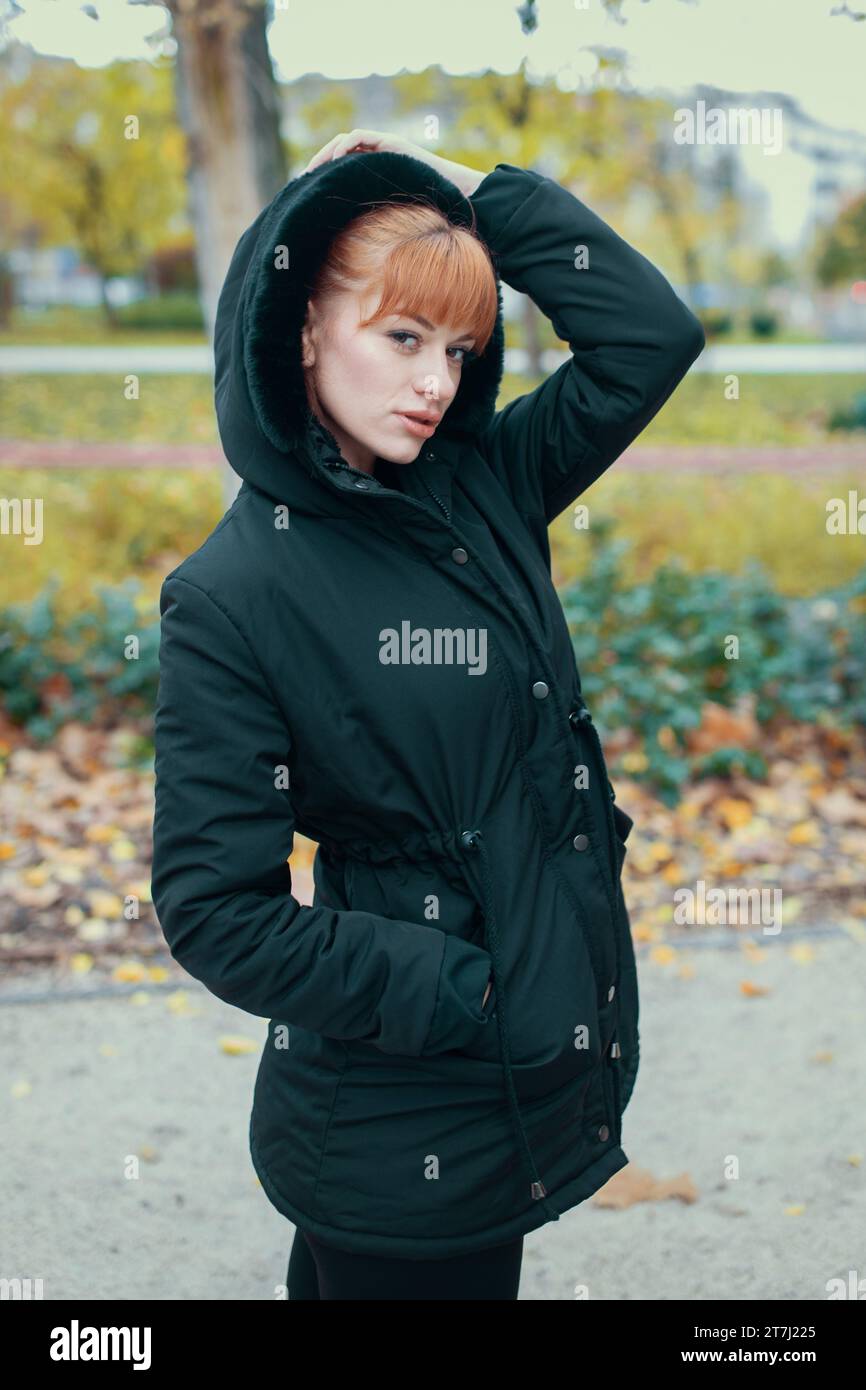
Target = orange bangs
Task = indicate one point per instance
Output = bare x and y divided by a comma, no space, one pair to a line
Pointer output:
422,262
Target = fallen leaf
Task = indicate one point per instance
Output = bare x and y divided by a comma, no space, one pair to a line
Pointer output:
632,1184
839,807
734,812
93,929
802,952
752,950
104,904
805,832
234,1045
130,970
721,727
663,955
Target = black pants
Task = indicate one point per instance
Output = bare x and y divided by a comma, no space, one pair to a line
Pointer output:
318,1271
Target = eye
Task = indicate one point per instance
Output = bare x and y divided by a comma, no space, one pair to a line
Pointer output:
468,355
400,334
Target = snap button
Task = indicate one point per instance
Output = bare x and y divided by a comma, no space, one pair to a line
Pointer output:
580,841
577,716
540,690
603,1133
611,992
459,555
361,482
429,454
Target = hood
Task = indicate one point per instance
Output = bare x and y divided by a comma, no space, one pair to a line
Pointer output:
268,433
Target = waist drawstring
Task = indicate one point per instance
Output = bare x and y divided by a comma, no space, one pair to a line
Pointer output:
473,840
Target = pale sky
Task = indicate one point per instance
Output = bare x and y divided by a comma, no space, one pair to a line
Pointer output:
792,47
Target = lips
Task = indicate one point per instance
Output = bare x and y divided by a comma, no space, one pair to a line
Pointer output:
421,423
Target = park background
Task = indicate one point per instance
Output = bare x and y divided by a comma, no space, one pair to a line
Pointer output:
137,142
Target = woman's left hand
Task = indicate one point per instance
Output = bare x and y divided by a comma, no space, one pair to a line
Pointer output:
466,179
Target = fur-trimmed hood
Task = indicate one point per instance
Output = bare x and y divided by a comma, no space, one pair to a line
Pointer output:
265,423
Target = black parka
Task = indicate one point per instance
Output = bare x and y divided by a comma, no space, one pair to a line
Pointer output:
382,664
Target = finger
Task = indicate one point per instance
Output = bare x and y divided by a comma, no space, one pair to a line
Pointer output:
369,139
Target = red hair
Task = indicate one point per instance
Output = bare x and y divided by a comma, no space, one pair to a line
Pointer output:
424,263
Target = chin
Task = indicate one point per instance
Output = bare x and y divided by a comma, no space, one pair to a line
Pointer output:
405,452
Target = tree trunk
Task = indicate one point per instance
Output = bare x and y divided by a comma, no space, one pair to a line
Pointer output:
229,106
107,306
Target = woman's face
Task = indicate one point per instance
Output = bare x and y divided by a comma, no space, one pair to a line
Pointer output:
361,380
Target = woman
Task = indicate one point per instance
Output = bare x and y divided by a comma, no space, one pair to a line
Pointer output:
369,649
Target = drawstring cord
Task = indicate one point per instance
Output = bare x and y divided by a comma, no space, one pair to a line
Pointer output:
473,840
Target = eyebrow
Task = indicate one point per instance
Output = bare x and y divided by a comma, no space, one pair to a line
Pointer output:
416,318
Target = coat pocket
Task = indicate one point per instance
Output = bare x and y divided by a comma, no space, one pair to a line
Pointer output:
545,990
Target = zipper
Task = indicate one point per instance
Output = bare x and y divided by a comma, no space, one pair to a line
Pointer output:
435,498
335,460
391,492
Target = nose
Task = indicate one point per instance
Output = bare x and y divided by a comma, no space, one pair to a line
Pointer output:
437,387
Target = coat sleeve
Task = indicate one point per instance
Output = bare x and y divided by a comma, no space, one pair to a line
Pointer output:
632,339
222,889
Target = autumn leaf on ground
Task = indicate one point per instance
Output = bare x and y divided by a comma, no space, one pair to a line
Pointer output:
802,952
841,808
721,727
805,832
632,1184
733,811
234,1045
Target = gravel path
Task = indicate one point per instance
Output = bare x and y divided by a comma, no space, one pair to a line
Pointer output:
776,1081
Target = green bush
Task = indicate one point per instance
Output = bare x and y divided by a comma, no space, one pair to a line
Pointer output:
851,417
179,309
763,324
651,654
717,322
51,672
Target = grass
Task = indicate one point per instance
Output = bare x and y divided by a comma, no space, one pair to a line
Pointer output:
68,326
718,522
102,526
771,410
